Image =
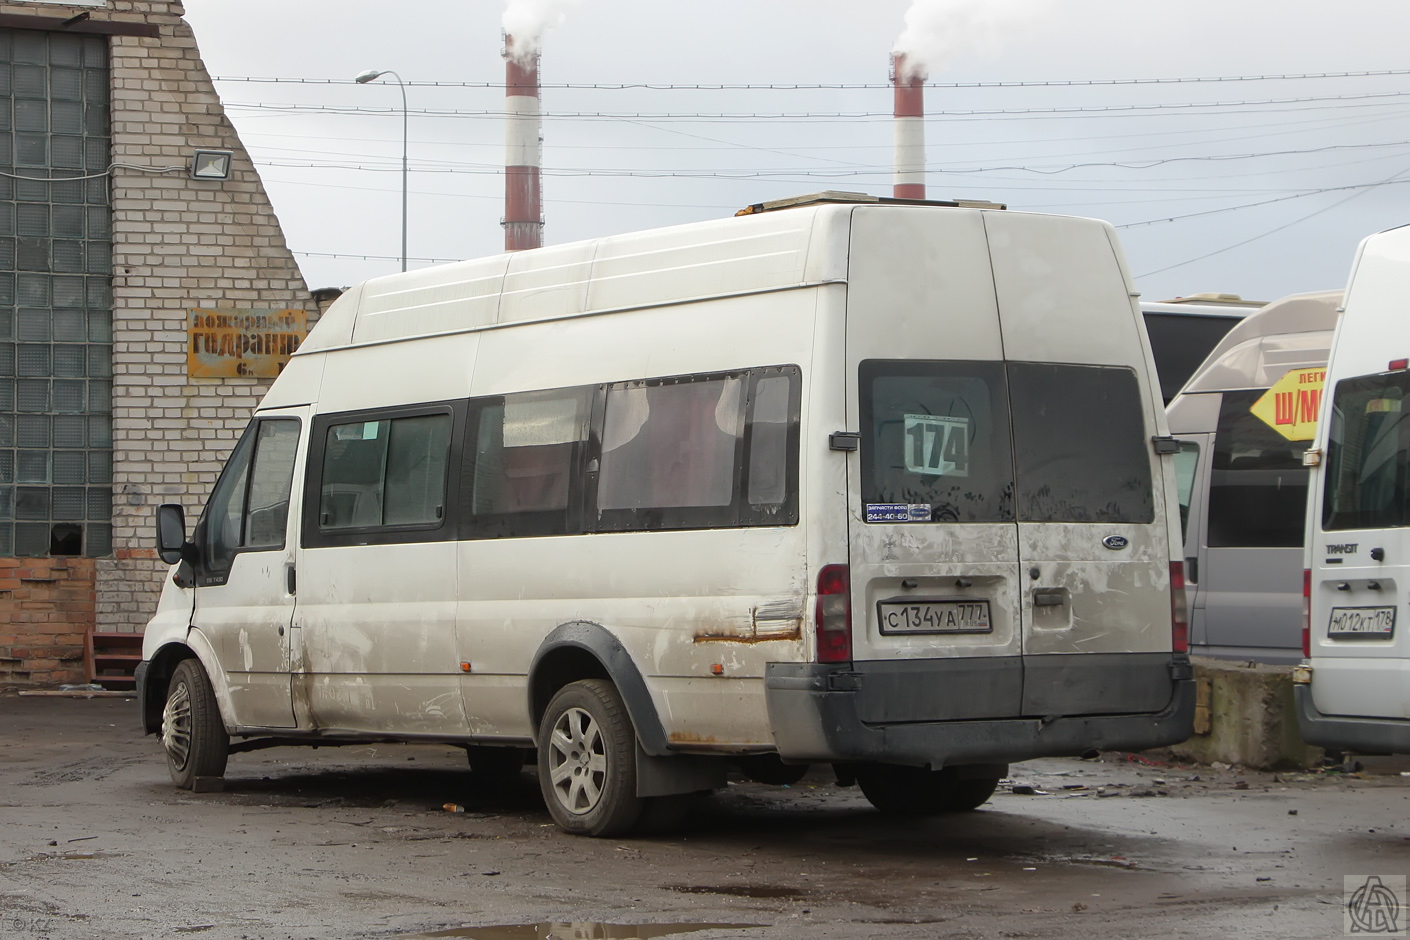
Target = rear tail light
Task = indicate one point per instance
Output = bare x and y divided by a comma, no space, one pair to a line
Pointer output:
1179,610
832,618
1306,614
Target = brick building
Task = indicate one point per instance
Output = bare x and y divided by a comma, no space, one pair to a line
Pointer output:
109,241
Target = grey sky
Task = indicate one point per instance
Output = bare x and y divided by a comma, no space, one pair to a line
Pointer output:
623,159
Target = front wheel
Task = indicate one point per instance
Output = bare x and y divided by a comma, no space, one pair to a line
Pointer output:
193,734
587,760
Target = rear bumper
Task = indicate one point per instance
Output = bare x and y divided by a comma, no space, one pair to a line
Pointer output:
817,714
1342,733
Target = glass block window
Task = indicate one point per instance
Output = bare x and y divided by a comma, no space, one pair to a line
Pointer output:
56,366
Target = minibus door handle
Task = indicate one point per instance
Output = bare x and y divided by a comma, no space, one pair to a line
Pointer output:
1192,569
291,580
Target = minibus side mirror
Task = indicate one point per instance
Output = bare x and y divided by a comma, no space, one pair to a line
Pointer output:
171,534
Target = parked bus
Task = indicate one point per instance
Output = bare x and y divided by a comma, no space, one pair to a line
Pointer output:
1243,488
1184,330
1354,692
885,486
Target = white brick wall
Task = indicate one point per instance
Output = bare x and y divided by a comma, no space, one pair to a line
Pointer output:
178,243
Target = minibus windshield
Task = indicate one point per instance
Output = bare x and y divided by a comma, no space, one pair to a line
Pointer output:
1367,447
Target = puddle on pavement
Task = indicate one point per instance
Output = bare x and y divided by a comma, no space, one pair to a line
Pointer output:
580,930
774,892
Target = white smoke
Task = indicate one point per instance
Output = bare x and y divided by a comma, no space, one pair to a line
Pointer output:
937,30
527,20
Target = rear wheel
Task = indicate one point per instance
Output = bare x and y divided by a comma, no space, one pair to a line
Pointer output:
193,734
587,760
494,767
769,769
905,791
966,795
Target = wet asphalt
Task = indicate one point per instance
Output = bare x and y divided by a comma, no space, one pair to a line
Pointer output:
356,842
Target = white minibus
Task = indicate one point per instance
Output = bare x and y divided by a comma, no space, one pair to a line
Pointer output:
1353,694
841,480
1243,489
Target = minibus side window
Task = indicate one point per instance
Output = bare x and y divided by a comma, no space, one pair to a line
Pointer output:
270,478
1368,454
1186,462
1081,448
768,441
249,508
522,458
383,473
700,452
670,446
1257,483
935,442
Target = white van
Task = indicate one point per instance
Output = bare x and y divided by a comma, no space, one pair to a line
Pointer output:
1243,488
1354,694
877,485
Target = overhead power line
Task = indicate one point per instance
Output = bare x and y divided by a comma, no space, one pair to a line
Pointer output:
498,113
1356,188
843,86
326,254
496,169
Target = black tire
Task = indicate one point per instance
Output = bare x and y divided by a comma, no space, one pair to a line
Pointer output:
967,795
495,767
587,760
769,769
193,733
906,791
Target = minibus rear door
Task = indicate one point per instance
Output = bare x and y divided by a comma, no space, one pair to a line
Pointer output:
932,541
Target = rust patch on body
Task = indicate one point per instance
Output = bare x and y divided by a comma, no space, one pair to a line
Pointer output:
795,632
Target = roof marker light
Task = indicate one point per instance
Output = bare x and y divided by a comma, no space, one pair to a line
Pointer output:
1398,365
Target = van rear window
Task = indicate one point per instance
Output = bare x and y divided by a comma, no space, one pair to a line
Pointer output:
1080,444
1368,446
935,442
940,443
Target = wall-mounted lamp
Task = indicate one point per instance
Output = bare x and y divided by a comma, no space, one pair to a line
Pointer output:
211,164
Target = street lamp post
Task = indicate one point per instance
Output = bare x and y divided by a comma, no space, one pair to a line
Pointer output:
363,78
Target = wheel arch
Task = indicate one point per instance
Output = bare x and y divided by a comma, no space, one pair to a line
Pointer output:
584,650
164,662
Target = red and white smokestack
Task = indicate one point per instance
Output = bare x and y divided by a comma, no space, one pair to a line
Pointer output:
909,128
523,151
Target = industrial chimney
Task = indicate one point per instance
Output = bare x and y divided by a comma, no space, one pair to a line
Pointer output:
909,128
523,151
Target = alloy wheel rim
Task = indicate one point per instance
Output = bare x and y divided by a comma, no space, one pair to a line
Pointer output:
176,725
577,761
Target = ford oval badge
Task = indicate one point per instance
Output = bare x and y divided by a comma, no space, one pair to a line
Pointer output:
1115,542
